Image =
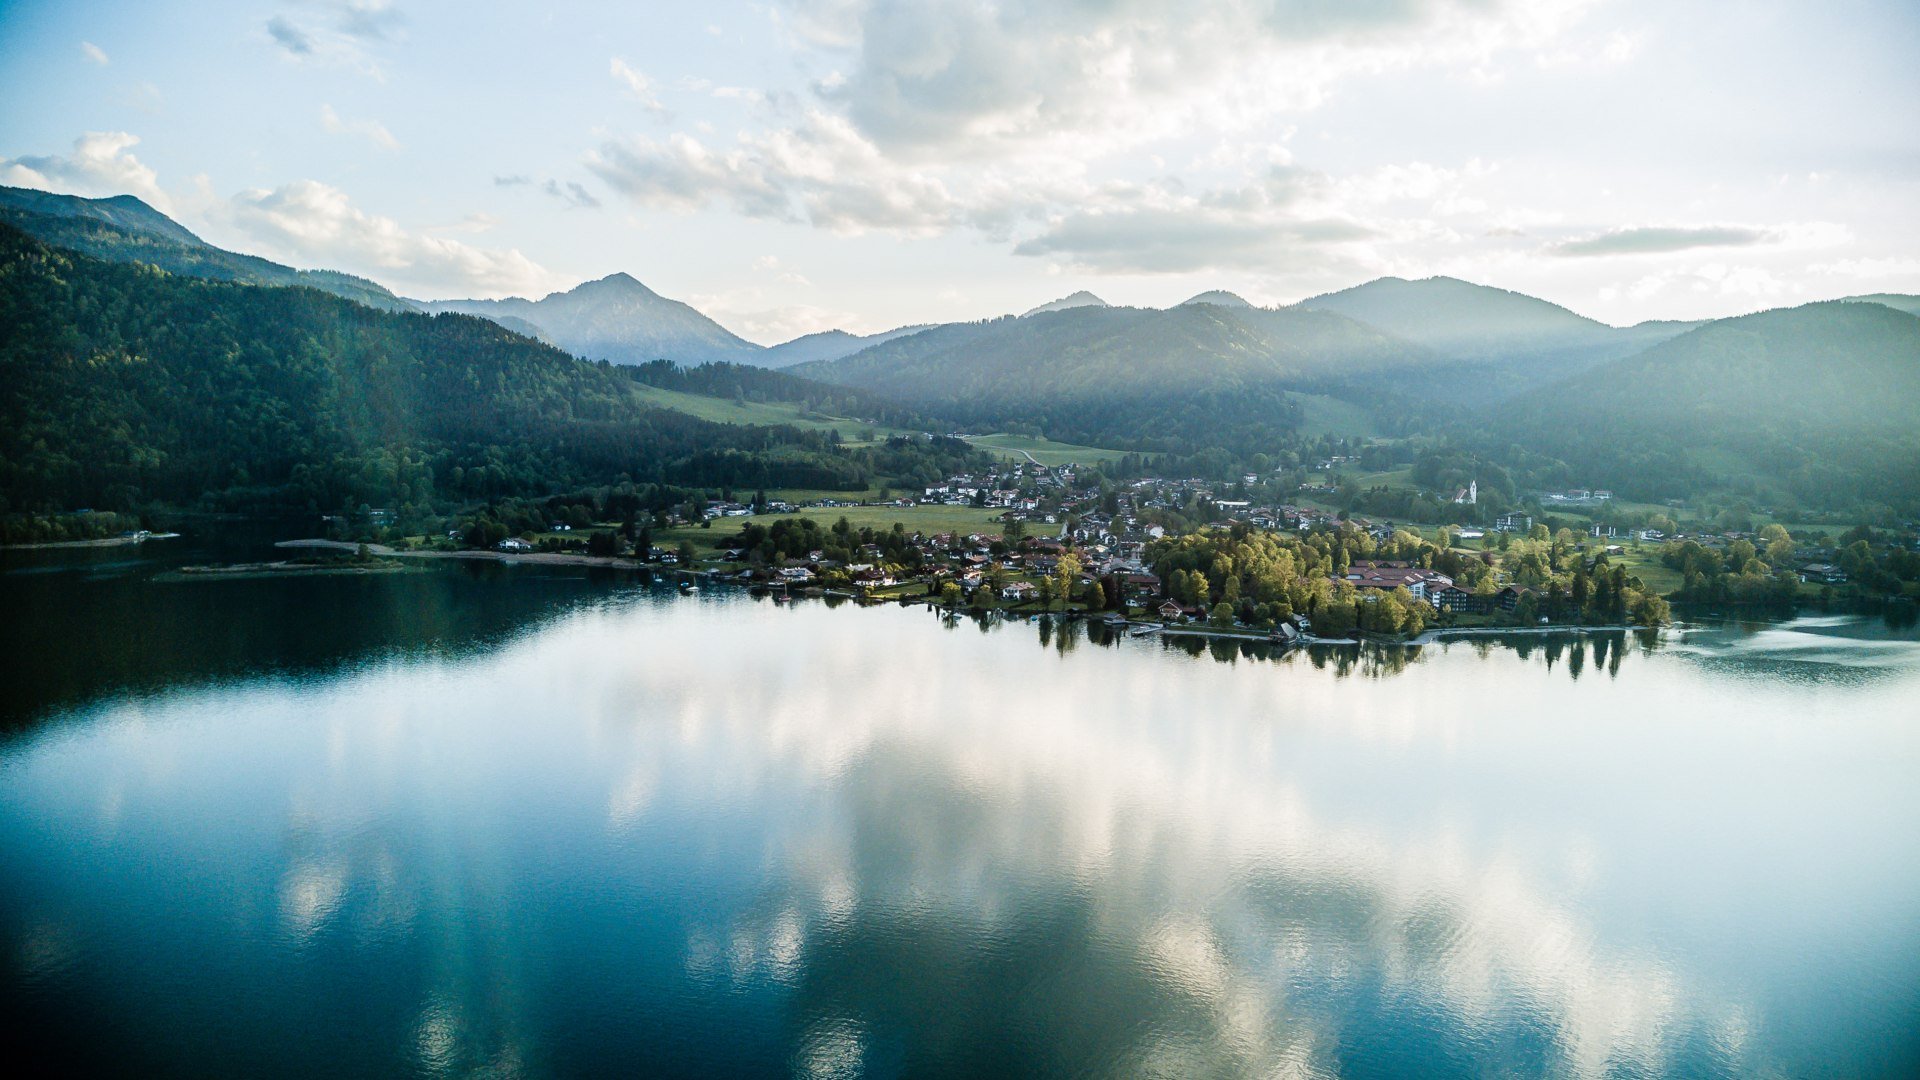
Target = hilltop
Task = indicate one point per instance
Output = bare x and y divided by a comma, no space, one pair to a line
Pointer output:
616,318
124,229
827,345
1080,299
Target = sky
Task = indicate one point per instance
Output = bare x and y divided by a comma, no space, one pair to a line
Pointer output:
790,166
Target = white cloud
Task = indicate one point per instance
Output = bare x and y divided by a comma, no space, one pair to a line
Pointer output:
818,171
998,118
638,85
337,32
295,41
770,264
312,223
371,130
1711,279
1100,74
572,193
1880,269
94,53
1662,240
100,165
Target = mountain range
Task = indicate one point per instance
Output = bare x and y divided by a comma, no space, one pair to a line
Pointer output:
1438,357
827,345
1816,402
1099,373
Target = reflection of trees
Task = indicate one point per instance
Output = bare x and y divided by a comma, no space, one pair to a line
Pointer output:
1370,659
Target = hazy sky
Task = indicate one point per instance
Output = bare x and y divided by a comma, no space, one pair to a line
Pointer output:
793,165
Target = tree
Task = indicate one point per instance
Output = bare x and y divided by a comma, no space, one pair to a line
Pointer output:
1651,610
687,554
1779,544
1221,615
1095,596
1065,573
950,595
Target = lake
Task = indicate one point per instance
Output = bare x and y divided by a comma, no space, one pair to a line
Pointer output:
520,821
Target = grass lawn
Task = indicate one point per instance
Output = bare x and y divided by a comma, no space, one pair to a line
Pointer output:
1044,450
1645,564
926,519
729,411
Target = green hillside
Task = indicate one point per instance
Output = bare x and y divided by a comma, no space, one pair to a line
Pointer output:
1194,375
123,385
1814,404
124,229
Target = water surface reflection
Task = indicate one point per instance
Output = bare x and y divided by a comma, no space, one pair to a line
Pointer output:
722,835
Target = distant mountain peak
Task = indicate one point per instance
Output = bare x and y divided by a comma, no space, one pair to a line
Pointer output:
835,334
1080,299
1461,318
615,283
1218,298
616,318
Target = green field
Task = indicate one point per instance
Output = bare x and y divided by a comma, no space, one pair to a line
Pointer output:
729,411
1044,450
925,519
1646,565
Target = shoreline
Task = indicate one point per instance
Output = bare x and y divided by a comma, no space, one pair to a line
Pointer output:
105,542
537,558
1428,637
1431,637
256,570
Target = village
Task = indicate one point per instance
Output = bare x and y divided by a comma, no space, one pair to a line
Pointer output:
1063,539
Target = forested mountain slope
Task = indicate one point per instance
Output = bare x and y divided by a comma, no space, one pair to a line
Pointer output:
122,385
125,229
1816,403
1132,377
1519,339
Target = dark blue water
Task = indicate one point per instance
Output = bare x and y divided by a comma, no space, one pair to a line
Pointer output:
526,822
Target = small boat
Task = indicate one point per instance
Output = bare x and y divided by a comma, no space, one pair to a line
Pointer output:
689,587
1144,630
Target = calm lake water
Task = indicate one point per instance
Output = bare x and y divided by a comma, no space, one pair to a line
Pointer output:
530,822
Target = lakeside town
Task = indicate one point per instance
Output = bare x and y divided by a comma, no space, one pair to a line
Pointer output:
1023,538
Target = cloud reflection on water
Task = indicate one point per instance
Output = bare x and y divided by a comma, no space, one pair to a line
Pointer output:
957,850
